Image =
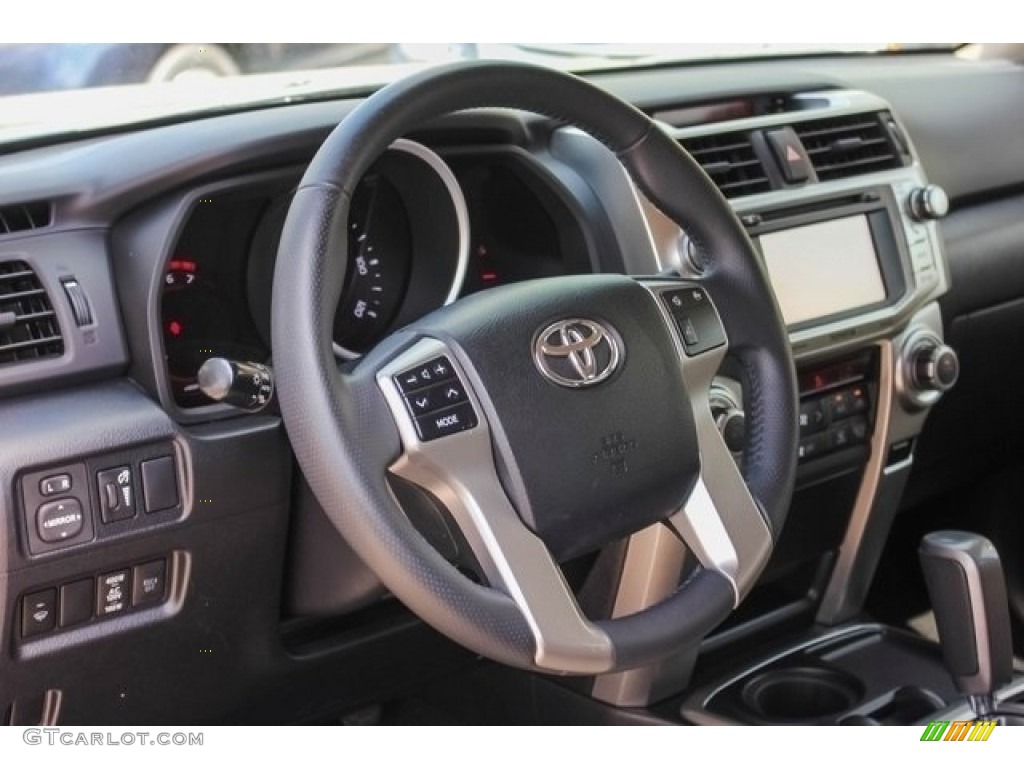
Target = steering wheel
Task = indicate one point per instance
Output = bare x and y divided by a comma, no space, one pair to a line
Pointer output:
549,417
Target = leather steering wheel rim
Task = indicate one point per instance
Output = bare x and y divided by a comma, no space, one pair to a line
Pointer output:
342,427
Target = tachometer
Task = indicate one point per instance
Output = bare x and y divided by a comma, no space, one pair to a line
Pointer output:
407,248
197,325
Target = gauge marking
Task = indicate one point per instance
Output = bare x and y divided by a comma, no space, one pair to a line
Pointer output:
375,247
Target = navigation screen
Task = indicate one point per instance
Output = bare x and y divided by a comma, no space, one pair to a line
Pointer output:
823,269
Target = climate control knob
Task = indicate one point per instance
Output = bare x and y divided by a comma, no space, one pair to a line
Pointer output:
930,202
934,366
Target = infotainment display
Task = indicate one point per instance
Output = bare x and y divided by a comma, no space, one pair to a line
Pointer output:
823,269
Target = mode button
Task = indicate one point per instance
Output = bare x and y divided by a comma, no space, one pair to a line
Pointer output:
446,422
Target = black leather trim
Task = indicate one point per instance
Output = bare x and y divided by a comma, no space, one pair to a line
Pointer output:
340,427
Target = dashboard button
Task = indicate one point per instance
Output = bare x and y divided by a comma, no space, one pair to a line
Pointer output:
76,601
447,422
812,446
113,594
117,496
812,417
59,520
55,485
38,612
859,399
790,154
841,436
859,428
159,486
149,582
840,404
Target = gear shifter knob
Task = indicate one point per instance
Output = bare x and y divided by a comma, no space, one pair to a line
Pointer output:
968,593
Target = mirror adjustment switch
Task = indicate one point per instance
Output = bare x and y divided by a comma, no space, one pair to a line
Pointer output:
116,494
56,509
59,520
55,485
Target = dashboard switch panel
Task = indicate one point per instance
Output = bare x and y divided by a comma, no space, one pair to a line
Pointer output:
100,497
56,508
89,598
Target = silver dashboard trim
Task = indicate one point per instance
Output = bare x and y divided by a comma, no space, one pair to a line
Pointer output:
927,275
835,598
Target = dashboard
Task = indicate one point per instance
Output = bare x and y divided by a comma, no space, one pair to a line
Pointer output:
135,258
423,232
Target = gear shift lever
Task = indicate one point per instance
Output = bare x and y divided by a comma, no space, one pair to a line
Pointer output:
968,593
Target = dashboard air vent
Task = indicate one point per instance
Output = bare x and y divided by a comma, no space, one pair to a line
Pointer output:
28,324
729,159
17,218
850,145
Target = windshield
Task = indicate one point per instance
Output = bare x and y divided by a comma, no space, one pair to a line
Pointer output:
64,89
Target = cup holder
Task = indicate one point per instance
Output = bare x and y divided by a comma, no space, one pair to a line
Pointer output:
796,694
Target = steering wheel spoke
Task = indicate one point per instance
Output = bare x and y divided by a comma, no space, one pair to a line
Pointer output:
458,468
720,521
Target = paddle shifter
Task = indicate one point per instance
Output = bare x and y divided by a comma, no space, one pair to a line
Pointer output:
968,594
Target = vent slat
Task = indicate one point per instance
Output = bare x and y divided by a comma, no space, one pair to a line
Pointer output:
30,329
740,145
839,147
34,316
853,164
21,294
848,128
731,162
831,147
16,275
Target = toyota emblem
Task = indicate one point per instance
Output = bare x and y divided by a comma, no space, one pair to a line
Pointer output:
577,353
